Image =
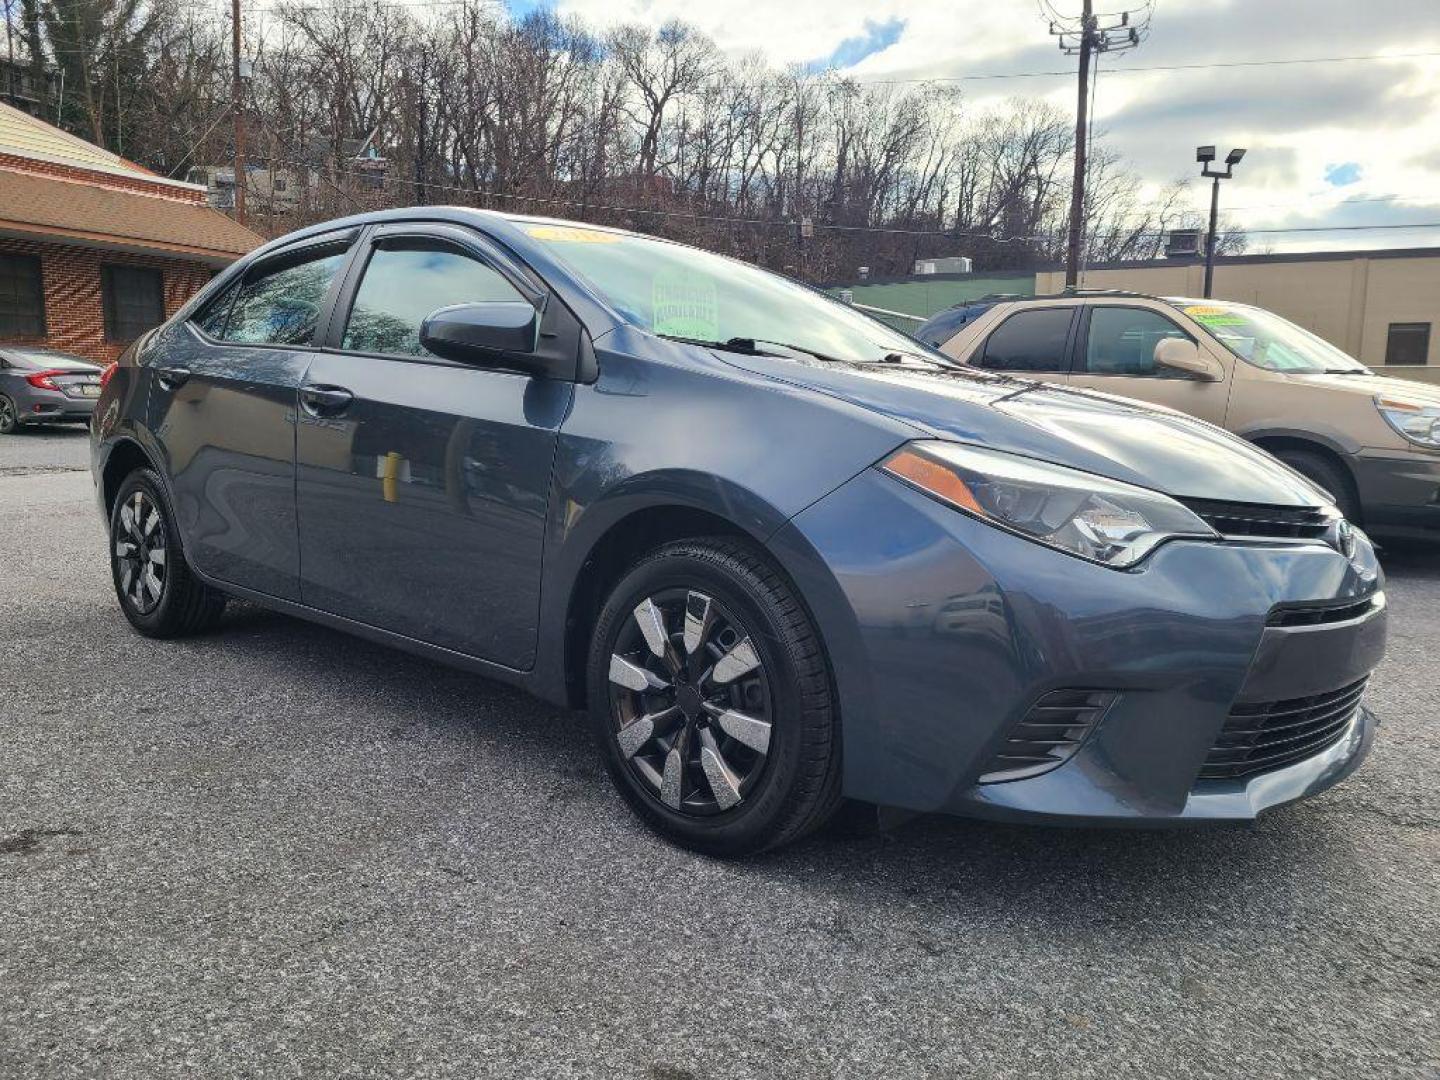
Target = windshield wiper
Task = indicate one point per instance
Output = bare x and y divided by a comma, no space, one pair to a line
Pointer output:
749,346
1337,371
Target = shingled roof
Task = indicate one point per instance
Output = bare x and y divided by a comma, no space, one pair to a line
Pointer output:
59,187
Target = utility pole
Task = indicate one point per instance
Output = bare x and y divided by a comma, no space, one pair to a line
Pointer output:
238,108
1084,37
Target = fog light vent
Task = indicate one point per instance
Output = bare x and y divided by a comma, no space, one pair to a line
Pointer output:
1048,735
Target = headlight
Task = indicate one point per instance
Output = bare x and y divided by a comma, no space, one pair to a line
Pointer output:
1102,520
1416,423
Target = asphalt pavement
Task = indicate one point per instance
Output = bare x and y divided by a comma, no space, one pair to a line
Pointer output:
276,851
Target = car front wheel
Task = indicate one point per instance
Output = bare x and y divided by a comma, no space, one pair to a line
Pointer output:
156,590
711,696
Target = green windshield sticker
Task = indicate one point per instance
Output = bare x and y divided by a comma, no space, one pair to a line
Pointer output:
1215,316
685,305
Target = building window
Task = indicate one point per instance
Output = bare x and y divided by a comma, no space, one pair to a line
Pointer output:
134,301
22,297
1408,343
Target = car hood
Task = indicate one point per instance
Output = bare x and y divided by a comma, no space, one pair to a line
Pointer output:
1112,436
1424,393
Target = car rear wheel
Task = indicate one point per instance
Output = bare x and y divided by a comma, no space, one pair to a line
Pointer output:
1328,475
157,592
711,697
9,418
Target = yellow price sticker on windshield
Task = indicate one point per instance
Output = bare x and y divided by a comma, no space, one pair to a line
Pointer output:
1214,316
569,234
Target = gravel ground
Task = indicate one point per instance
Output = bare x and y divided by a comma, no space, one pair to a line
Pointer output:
276,851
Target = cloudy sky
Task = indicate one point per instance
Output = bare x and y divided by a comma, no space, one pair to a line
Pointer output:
1330,144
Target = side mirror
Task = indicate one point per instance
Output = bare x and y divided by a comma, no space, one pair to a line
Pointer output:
495,333
1178,354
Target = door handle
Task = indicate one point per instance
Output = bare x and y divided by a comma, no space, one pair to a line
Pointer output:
325,400
172,377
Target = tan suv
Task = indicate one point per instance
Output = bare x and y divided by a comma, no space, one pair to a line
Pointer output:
1372,442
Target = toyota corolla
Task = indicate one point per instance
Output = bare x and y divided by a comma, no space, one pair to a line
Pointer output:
783,555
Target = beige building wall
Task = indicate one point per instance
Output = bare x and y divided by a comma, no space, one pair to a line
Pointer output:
1349,300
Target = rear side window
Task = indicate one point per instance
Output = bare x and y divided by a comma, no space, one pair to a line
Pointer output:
1122,341
939,329
282,306
402,285
1029,341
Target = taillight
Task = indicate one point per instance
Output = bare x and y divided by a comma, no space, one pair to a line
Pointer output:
109,371
45,380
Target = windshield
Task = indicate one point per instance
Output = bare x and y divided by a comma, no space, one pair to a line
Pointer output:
683,292
1266,340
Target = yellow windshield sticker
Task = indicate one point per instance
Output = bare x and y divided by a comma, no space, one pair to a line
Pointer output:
1207,315
569,234
685,305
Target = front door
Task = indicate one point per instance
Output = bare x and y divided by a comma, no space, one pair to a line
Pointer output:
1116,354
423,484
223,406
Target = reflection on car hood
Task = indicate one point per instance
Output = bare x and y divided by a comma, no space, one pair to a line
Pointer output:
1099,433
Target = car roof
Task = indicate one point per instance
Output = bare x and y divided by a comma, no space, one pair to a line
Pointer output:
39,356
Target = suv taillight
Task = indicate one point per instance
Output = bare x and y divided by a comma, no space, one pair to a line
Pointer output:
107,373
45,380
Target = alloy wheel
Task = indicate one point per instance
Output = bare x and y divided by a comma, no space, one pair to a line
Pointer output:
691,702
7,416
140,553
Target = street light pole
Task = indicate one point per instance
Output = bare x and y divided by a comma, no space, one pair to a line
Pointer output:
1205,155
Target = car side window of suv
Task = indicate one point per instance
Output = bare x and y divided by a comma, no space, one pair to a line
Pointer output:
1122,340
1030,341
279,304
404,282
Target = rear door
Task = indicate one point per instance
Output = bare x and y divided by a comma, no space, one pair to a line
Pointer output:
223,398
1116,353
423,483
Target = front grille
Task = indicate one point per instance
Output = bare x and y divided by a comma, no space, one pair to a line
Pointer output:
1262,736
1048,735
1319,615
1262,520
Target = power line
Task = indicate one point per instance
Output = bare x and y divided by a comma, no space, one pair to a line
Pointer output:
953,234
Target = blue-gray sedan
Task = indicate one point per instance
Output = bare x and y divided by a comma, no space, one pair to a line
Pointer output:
43,386
784,555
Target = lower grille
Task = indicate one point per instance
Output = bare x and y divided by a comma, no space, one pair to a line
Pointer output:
1262,520
1048,735
1262,736
1321,614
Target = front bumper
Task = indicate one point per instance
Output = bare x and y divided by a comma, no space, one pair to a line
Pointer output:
1399,491
944,632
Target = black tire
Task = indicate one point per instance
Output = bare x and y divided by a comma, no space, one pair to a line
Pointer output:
797,788
1330,476
9,417
182,604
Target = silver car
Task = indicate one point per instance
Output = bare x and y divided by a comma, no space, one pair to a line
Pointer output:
42,386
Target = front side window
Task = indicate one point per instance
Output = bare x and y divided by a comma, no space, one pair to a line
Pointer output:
1264,339
1408,343
22,297
402,285
134,301
1032,341
1122,341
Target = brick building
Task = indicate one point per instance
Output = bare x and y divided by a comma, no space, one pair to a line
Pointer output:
94,250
